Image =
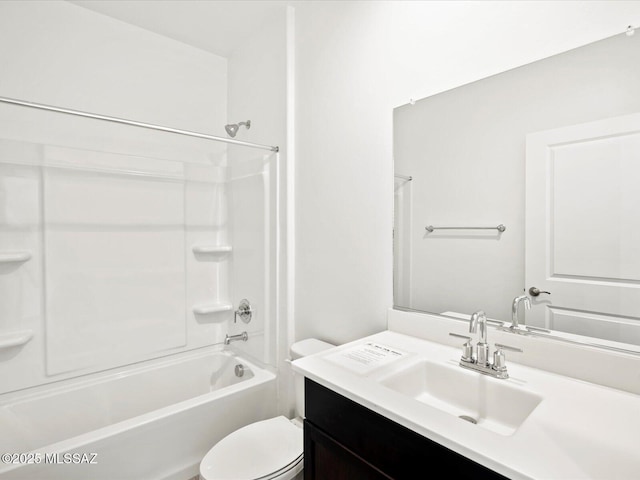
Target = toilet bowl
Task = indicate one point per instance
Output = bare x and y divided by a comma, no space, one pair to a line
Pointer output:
269,449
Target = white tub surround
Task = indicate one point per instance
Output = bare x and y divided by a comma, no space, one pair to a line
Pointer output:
571,428
152,270
154,421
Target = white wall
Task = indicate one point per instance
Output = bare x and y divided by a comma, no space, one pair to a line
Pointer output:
257,82
356,61
439,45
343,181
61,54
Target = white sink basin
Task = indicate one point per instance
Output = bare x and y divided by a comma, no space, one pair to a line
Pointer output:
488,402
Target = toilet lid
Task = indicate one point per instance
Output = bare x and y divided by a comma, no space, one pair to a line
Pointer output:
260,450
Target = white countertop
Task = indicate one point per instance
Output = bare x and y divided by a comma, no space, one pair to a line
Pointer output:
579,430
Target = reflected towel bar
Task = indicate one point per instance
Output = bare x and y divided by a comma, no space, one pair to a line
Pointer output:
430,228
408,178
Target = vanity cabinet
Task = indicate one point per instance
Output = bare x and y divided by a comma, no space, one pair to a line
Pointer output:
344,440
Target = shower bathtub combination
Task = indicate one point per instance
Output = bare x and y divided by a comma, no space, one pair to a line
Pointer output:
155,421
130,254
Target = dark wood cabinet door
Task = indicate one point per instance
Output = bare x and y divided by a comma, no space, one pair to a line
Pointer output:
326,459
345,440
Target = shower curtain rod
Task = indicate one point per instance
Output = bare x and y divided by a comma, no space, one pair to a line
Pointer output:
123,121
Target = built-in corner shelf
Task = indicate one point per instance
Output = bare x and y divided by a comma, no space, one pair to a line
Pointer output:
16,339
212,249
209,308
14,257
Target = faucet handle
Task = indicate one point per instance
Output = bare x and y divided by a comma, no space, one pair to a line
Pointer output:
244,311
467,348
500,346
460,336
499,360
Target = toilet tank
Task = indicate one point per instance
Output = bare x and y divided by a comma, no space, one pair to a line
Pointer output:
300,349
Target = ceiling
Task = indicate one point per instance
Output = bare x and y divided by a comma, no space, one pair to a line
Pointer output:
212,25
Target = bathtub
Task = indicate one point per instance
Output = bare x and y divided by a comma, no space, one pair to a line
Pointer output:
154,421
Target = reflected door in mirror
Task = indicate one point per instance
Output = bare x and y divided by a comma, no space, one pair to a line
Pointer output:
583,228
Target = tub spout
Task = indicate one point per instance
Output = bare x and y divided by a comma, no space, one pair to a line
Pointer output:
244,336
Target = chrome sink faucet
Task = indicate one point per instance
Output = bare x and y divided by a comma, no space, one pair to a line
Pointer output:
479,318
480,360
515,325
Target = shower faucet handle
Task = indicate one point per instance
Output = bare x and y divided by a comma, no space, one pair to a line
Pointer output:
244,311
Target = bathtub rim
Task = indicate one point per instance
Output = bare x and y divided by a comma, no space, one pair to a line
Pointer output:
80,381
261,376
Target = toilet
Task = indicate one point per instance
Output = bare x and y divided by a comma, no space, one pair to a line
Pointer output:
269,449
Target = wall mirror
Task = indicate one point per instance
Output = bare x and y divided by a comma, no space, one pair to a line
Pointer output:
524,182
